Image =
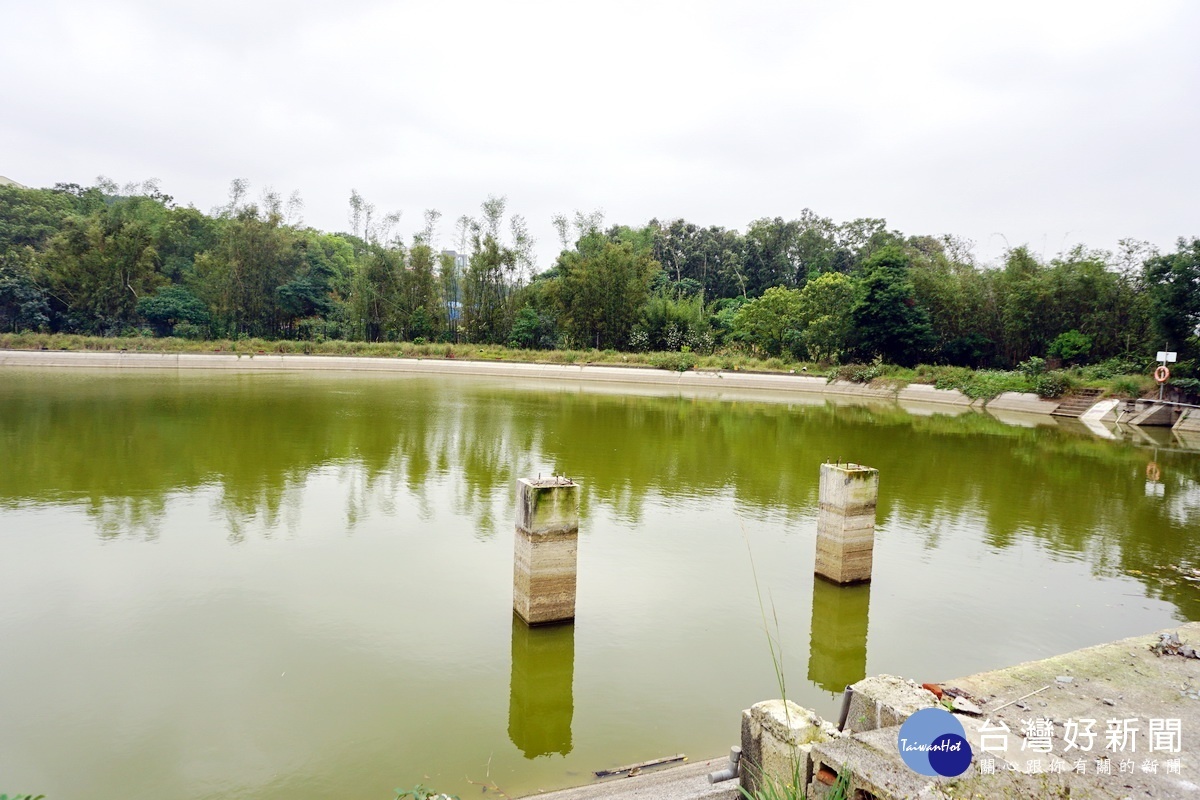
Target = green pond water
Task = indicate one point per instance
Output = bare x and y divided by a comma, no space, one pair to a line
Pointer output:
298,586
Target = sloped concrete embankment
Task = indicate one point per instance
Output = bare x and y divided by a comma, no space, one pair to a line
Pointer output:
1014,404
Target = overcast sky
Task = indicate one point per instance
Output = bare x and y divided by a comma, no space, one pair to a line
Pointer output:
1051,124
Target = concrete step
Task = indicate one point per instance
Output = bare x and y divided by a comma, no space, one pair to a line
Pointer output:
1075,404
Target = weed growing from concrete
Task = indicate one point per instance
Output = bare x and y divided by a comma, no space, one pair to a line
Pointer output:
771,787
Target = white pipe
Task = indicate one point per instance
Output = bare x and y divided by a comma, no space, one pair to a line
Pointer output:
730,772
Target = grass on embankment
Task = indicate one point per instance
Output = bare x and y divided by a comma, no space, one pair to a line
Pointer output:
680,361
1113,377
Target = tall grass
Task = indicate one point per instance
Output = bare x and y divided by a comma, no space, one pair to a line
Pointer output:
770,787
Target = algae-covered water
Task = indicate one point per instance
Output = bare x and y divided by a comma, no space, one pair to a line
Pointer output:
299,586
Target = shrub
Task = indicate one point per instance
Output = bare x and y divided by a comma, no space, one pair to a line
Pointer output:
1032,366
676,362
1189,385
186,330
986,384
1052,384
983,384
639,340
1118,366
1070,346
1183,369
857,373
951,377
1128,386
701,341
525,329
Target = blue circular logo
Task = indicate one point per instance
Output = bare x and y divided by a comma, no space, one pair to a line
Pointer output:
932,742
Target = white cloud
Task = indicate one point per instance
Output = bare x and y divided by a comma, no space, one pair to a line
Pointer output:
1049,123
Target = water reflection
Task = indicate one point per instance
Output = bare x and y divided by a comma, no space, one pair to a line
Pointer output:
1189,440
541,700
282,583
120,446
838,644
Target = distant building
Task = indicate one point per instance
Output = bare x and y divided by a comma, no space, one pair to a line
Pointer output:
450,283
10,182
460,260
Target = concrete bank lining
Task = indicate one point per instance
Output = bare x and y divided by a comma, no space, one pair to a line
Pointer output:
1020,408
924,393
1024,402
720,380
1190,421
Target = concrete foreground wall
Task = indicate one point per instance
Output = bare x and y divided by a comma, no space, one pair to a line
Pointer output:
882,701
1138,680
777,736
786,746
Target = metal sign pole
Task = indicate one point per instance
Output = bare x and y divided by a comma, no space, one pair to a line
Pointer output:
1164,356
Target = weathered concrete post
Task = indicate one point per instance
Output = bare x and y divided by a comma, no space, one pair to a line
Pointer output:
846,522
545,550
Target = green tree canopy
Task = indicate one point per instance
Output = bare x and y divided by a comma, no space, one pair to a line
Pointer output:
888,322
171,305
769,322
601,288
824,311
99,266
23,304
1173,282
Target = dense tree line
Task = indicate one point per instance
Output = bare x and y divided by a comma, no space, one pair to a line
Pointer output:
103,260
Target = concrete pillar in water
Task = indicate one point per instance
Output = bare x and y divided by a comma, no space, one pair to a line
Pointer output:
846,522
837,652
545,550
541,701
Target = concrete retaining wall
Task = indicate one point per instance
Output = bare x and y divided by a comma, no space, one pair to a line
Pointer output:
275,362
924,393
1025,402
1190,421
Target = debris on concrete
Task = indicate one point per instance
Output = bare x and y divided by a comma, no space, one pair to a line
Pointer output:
634,769
1169,645
964,706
